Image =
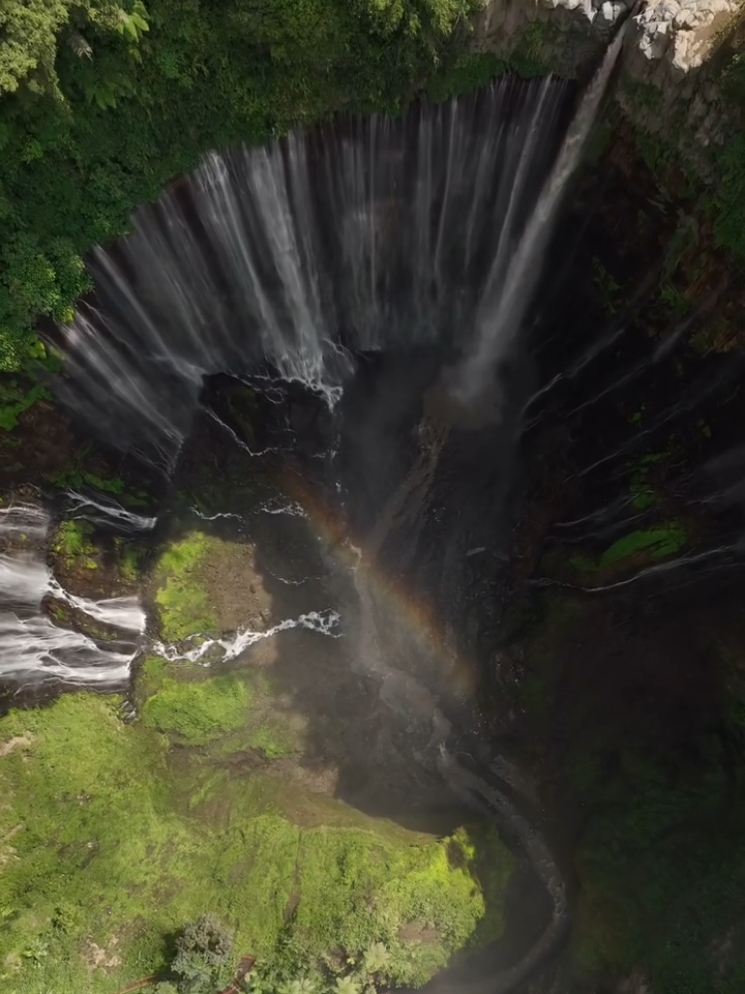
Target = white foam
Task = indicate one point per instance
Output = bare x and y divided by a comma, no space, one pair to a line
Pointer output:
32,646
323,622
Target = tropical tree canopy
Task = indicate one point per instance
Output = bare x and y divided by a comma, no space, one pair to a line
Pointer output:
31,30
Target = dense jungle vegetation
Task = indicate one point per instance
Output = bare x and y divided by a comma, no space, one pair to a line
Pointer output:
101,102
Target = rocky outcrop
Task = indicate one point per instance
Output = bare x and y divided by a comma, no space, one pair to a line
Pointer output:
669,85
563,35
683,33
678,34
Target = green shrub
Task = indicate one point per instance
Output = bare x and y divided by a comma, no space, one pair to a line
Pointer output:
73,547
203,952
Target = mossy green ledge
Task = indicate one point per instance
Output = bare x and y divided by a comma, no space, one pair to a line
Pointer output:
114,836
206,585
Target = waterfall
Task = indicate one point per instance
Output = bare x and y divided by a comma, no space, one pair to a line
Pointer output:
515,269
32,647
288,262
368,234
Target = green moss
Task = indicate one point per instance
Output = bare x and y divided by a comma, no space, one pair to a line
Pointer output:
244,406
60,614
72,539
108,836
15,399
529,56
643,497
582,563
198,712
643,493
72,543
654,543
77,477
468,73
192,707
674,299
130,560
271,741
182,601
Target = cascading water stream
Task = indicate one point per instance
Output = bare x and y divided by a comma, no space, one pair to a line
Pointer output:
515,270
32,647
372,234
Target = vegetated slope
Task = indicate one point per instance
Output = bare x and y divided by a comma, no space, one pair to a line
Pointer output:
115,837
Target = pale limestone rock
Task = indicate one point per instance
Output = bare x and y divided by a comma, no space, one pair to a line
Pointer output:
667,43
684,32
608,14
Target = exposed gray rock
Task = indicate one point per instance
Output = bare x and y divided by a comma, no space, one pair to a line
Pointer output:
665,86
684,32
608,14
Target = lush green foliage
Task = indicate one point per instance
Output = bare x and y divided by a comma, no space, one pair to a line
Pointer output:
655,543
203,956
467,73
192,708
182,601
14,400
72,544
95,564
723,199
76,476
111,840
76,158
32,30
196,712
659,858
104,101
